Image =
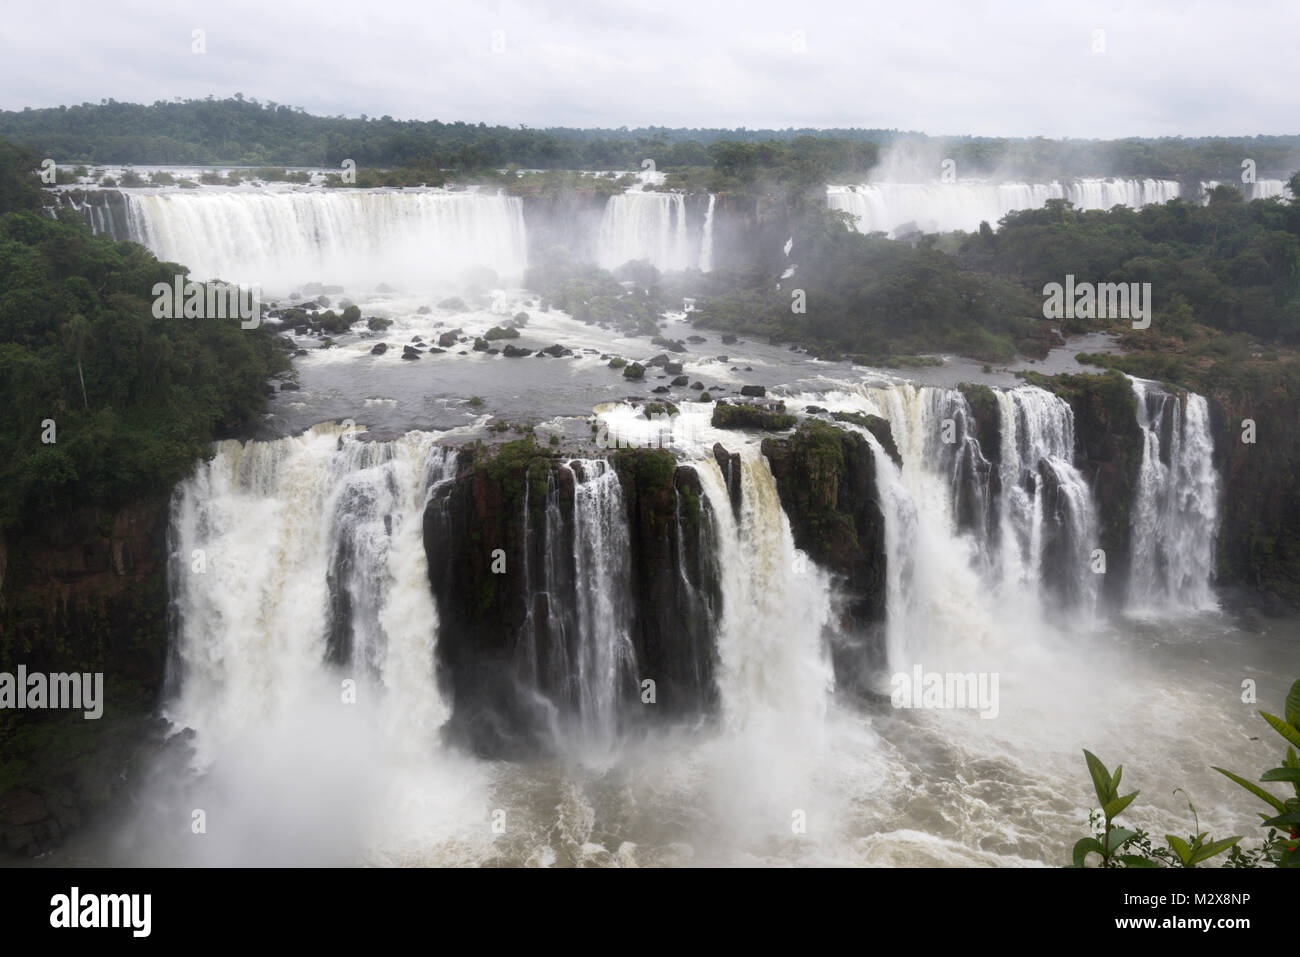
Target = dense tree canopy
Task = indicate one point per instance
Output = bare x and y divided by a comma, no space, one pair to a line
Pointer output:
1232,267
244,131
134,400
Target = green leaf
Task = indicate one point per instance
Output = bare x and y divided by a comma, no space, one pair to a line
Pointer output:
1084,847
1292,706
1180,848
1137,860
1281,774
1119,836
1117,805
1254,789
1100,776
1114,781
1289,819
1281,727
1214,847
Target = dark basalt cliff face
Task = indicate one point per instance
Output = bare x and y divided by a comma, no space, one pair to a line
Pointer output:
103,210
500,540
826,479
1258,553
1257,550
675,580
86,593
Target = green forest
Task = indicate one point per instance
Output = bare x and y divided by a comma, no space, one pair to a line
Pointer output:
1224,277
133,400
244,131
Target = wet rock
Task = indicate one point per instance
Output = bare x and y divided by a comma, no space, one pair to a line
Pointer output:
826,479
409,353
755,391
734,415
512,351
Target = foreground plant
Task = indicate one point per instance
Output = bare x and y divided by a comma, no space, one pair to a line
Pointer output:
1281,849
1111,839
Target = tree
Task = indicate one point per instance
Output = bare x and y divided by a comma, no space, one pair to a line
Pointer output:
76,336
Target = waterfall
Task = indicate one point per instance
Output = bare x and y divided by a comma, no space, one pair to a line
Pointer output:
1174,516
280,238
645,225
1268,188
895,208
604,661
975,537
1049,524
706,247
1260,189
290,555
775,677
584,664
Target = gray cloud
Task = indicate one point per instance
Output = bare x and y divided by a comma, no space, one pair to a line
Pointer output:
987,68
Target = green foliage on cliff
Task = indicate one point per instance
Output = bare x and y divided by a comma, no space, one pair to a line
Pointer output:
875,297
134,400
1230,265
734,415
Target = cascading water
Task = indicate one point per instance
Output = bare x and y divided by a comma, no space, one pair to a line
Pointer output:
290,553
646,225
315,571
938,608
706,245
303,634
1260,189
602,660
968,542
775,677
942,207
1175,509
1049,525
280,238
774,605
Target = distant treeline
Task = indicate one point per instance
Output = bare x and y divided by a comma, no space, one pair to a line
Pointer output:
241,131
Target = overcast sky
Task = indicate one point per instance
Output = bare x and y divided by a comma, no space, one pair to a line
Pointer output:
982,67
